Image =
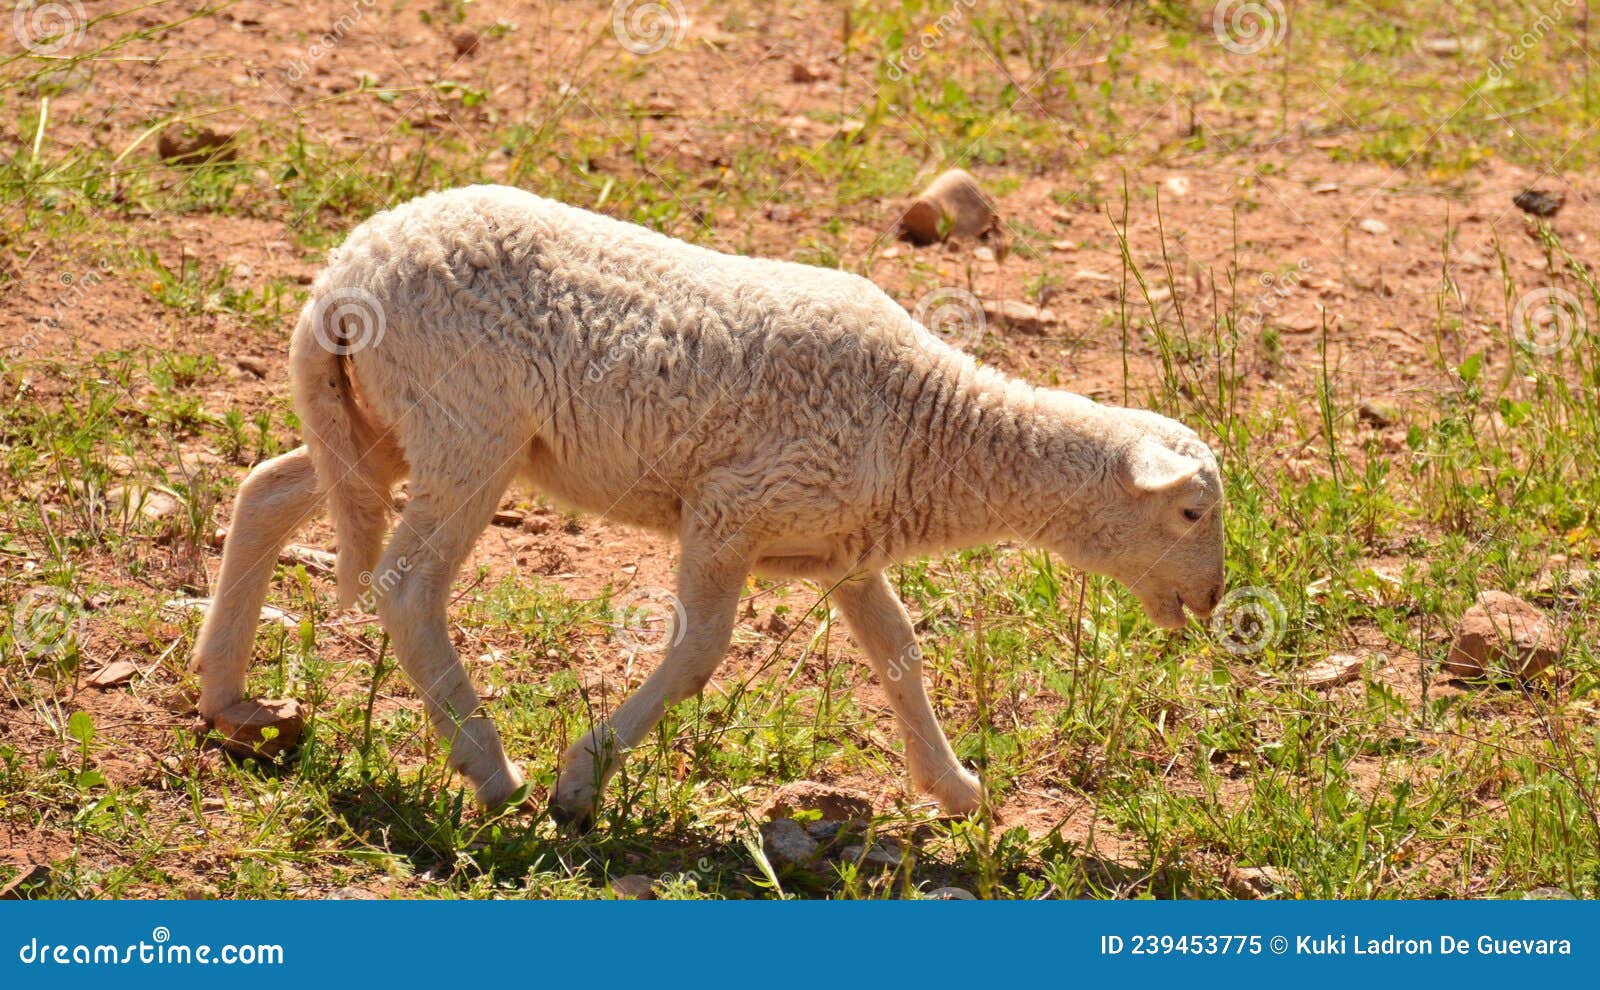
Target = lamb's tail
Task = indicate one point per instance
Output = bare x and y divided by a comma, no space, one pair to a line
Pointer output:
354,458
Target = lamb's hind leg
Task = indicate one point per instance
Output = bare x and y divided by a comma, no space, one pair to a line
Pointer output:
411,584
711,574
884,631
276,499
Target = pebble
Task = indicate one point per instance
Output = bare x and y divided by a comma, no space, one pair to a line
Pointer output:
242,726
1502,634
786,842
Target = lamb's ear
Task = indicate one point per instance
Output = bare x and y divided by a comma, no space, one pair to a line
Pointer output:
1150,467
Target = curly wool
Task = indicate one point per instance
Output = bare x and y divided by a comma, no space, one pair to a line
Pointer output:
648,379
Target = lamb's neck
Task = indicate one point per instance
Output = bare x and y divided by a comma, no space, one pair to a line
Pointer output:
1011,460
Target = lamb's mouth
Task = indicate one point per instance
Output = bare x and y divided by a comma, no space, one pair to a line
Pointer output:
1203,614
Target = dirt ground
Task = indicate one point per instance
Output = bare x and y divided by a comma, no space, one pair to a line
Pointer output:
1384,275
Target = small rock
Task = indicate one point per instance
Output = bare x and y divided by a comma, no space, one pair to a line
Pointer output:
151,503
464,41
805,72
1063,246
242,726
1548,894
874,855
1178,185
1539,202
775,626
508,517
1325,188
787,843
184,145
1502,634
1340,668
634,887
950,894
1379,414
1560,578
1372,225
1019,315
1442,46
1250,882
952,205
836,804
253,365
112,674
779,212
823,831
984,253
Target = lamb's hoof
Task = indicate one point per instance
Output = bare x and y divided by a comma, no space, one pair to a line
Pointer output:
576,822
959,794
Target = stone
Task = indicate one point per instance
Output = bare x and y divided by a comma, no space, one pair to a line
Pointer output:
1250,882
870,855
836,804
806,72
1373,225
151,503
950,894
1539,203
953,205
634,887
243,726
464,41
185,145
252,364
1501,634
787,843
114,673
1340,668
1019,315
1379,414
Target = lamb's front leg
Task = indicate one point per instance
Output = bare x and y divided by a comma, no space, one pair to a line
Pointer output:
884,631
710,577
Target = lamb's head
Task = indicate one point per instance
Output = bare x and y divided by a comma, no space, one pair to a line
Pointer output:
1157,527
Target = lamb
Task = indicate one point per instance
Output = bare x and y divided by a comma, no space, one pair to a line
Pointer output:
776,418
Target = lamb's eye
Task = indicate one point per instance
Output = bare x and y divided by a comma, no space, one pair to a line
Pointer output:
1193,515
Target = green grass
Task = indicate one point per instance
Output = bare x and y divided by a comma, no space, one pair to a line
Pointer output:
1158,764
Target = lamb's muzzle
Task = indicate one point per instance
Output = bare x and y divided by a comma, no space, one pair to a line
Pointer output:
773,417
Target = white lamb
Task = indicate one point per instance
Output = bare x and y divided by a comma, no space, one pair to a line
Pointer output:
777,418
